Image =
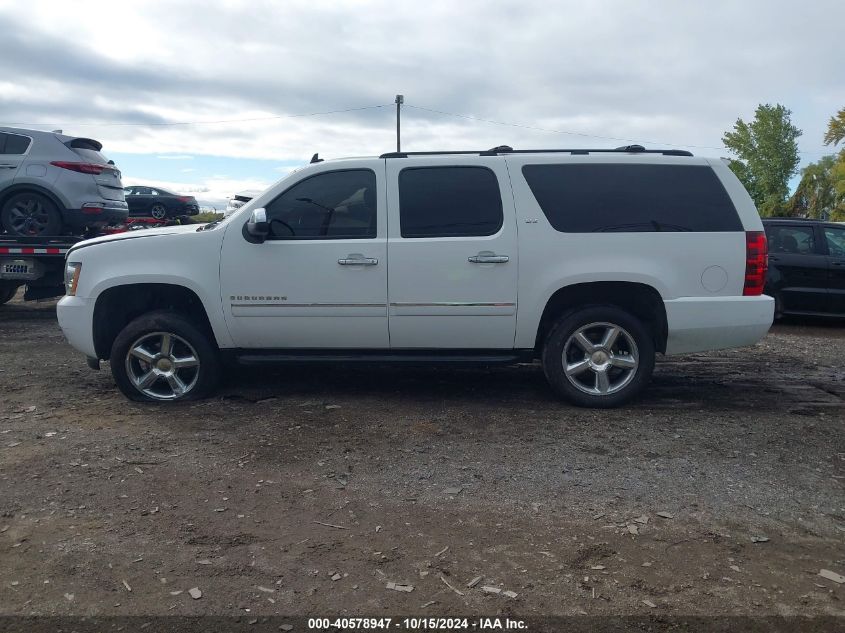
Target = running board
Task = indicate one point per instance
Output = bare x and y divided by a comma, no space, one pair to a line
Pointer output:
423,357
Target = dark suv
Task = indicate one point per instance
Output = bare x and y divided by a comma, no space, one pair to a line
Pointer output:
806,266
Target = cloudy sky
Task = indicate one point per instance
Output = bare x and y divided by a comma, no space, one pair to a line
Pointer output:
214,97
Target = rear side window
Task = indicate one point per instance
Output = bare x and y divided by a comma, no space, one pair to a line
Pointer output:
449,202
14,143
799,240
583,198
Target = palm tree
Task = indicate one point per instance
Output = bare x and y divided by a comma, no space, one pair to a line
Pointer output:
835,129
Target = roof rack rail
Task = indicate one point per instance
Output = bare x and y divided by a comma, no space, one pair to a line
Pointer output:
505,149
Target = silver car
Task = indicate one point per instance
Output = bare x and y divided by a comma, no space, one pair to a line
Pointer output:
53,184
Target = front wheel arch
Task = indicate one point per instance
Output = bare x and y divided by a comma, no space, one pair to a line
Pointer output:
119,305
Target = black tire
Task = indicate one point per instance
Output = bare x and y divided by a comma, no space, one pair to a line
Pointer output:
621,384
193,342
158,211
7,292
31,214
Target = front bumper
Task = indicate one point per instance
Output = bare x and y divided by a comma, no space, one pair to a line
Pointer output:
76,318
698,324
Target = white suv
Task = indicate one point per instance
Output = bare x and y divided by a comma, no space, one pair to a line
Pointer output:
590,260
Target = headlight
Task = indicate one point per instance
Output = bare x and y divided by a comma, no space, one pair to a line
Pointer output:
72,270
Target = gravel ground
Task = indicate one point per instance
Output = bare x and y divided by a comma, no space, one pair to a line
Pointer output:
308,491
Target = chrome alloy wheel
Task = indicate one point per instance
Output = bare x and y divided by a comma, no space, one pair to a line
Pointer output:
600,358
162,366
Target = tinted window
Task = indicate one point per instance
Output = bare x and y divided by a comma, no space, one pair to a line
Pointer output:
333,205
799,240
835,239
584,198
16,144
449,202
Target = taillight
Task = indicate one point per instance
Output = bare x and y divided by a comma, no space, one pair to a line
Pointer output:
82,168
185,198
756,263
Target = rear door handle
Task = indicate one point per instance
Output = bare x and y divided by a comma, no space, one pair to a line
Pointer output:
355,259
838,263
7,166
488,259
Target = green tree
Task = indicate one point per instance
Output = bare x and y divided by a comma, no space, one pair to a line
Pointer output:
837,175
816,195
767,152
836,134
835,129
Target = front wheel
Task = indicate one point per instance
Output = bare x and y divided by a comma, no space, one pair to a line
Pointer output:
599,356
161,356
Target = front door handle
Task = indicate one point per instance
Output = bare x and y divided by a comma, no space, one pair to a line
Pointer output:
484,258
356,259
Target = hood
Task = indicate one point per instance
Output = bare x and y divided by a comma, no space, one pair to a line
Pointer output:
138,234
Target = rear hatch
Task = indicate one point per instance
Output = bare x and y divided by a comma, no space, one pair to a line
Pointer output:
107,175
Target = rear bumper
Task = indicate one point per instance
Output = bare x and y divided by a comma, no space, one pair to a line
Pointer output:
698,324
112,213
76,316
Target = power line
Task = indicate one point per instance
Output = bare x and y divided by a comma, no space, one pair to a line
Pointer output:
174,123
543,129
583,134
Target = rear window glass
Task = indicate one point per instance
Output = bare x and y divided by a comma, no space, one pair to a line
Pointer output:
15,144
584,198
91,156
88,149
449,202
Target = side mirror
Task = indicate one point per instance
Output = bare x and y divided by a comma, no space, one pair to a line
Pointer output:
257,227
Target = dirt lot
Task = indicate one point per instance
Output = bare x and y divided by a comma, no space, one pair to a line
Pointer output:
307,491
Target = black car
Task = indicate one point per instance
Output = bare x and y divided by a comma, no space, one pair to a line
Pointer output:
806,266
158,203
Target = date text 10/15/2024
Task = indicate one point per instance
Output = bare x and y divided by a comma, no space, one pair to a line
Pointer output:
417,624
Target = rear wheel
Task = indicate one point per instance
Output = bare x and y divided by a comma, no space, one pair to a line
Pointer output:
158,211
161,356
31,214
599,356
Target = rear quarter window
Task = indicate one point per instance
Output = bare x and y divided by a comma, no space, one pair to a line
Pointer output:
14,144
588,198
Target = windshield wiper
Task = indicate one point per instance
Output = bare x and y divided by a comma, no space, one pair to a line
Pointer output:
210,225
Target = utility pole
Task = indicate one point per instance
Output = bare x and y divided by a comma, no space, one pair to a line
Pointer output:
400,99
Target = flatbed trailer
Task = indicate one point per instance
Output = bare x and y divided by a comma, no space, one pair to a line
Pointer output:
38,262
35,262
